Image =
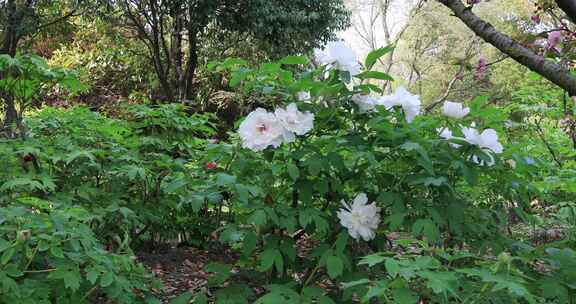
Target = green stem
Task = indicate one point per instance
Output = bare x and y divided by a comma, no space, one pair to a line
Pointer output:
40,271
31,258
89,293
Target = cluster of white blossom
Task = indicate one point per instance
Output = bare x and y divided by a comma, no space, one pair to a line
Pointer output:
262,129
361,219
409,103
337,55
454,110
487,140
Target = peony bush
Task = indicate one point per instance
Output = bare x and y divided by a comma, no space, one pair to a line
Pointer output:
396,206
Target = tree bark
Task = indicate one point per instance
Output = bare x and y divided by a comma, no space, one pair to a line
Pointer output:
569,7
187,81
9,47
549,70
10,40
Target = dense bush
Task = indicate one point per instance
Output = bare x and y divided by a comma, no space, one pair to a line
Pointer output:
81,189
51,255
449,196
394,205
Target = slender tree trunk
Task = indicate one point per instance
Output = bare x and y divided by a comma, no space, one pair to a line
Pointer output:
9,46
187,81
10,40
176,50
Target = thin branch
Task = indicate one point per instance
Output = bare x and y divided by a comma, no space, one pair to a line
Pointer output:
547,144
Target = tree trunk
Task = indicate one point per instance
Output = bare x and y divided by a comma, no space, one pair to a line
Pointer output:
12,120
10,40
9,47
526,57
187,81
176,50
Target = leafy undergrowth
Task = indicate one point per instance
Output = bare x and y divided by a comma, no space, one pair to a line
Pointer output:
343,197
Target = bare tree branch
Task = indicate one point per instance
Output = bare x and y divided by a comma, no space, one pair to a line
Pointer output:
549,70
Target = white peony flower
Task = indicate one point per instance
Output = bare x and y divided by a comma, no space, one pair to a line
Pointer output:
366,103
303,96
454,110
487,140
360,219
294,121
447,135
410,103
261,129
340,56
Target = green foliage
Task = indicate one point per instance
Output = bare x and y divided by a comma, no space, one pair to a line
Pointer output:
105,61
288,27
26,75
425,187
84,188
51,255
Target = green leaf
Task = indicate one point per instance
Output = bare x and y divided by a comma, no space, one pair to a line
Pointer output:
221,273
92,275
392,267
293,171
267,259
13,271
373,259
183,298
249,244
7,255
223,179
375,55
378,289
107,279
4,245
294,60
335,266
258,218
404,296
440,282
427,228
355,283
374,75
341,242
72,280
200,299
56,251
279,261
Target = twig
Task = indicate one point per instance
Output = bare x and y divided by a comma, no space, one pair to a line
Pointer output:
541,135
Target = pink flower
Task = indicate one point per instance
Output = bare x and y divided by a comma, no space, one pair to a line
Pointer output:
554,38
481,69
211,166
536,19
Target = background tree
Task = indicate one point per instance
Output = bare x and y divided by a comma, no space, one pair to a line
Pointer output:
377,24
20,21
173,31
